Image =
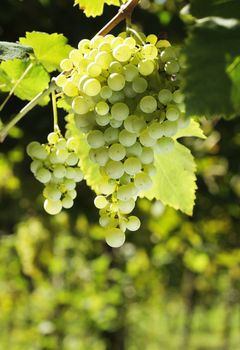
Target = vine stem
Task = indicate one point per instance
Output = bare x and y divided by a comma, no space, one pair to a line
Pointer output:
28,107
124,12
55,112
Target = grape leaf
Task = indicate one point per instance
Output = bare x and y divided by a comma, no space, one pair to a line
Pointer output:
175,182
35,81
94,8
9,51
223,8
212,45
234,74
49,49
193,129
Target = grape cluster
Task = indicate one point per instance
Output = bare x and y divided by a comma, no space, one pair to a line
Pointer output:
124,96
55,164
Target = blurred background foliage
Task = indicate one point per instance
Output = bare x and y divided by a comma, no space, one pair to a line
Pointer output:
173,285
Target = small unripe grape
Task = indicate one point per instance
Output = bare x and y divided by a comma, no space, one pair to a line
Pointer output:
132,165
139,85
127,138
114,169
165,96
146,67
72,159
102,108
165,144
133,223
127,206
52,207
171,67
79,105
120,111
92,87
95,139
142,181
115,237
43,175
52,192
59,171
67,202
116,81
117,151
100,202
122,53
53,137
148,104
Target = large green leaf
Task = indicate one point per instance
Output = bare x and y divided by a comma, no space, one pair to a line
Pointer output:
35,81
219,8
234,73
175,182
49,49
94,8
212,45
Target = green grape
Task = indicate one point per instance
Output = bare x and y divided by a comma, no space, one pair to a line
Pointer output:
59,171
172,113
165,96
139,85
168,54
132,165
171,67
70,173
148,104
142,181
169,128
111,135
130,72
116,81
66,64
52,207
72,194
126,207
95,139
79,105
72,159
149,51
114,169
103,120
133,223
100,202
104,59
99,155
117,96
43,175
125,192
61,143
35,150
178,96
164,145
35,165
134,150
122,53
115,237
62,155
106,92
69,184
119,111
146,67
116,151
92,87
52,192
94,70
127,138
115,67
70,89
67,202
53,137
147,155
145,139
102,108
116,123
155,130
78,174
108,187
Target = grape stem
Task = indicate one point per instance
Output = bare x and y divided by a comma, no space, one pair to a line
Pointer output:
124,12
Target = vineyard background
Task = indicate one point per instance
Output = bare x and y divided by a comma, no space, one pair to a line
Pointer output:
173,285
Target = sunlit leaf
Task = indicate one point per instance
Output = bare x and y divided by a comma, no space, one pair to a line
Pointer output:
94,8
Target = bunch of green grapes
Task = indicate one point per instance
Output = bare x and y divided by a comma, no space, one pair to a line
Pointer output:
124,95
55,164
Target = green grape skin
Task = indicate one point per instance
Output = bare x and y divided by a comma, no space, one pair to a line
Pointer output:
100,202
52,192
132,165
115,237
52,207
67,202
133,223
117,151
43,175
